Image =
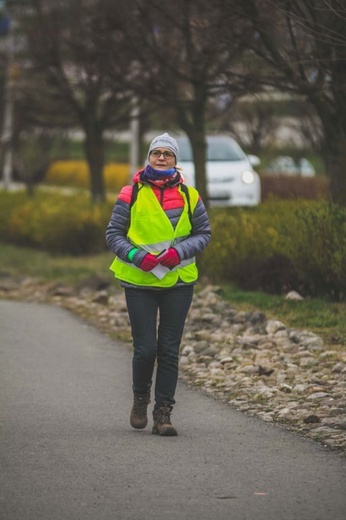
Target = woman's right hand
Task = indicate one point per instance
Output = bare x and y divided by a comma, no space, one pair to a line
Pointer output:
149,262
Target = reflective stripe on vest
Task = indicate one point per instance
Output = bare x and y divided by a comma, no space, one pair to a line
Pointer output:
151,230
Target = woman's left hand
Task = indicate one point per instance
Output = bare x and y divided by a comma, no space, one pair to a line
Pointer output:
170,258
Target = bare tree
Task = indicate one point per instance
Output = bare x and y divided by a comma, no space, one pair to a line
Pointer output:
182,58
303,42
252,121
66,41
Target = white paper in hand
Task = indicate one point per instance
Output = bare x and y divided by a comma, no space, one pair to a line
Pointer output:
160,271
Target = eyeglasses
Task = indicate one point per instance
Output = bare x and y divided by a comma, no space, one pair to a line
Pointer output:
166,154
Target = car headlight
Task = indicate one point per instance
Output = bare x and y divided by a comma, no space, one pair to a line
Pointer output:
247,177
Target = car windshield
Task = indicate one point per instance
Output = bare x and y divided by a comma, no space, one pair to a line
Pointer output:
219,149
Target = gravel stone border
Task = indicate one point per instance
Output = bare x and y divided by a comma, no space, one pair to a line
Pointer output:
257,365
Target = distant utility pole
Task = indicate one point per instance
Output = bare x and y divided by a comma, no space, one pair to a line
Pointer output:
7,125
134,137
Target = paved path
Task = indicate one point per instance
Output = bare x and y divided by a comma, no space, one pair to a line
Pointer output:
68,452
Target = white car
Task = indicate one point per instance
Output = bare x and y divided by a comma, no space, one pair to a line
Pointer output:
232,181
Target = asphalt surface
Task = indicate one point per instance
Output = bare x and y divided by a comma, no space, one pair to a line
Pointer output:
68,451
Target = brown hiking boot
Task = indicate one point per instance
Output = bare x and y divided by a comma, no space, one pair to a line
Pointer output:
138,417
162,422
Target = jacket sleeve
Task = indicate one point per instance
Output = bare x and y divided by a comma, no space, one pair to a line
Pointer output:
116,231
200,234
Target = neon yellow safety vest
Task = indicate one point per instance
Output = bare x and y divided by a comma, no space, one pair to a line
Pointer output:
150,229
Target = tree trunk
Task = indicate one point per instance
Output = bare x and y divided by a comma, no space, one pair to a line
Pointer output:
196,132
332,112
336,169
95,155
199,152
335,154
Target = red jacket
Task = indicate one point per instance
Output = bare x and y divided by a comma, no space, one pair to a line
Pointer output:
169,198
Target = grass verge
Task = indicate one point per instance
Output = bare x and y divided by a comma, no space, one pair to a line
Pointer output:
20,261
327,319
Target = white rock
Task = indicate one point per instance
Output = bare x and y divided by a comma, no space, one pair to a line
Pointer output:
282,333
317,395
227,359
299,388
249,369
209,317
265,392
187,350
218,337
293,295
203,335
216,371
286,389
215,364
314,343
240,317
237,328
338,368
284,411
307,362
274,326
328,354
237,352
266,416
280,377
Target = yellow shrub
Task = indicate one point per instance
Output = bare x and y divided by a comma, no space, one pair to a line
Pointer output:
76,174
236,236
56,223
116,175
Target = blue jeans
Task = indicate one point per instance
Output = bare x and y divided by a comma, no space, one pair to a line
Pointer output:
157,320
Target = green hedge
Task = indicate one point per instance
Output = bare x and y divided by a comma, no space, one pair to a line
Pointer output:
277,246
316,244
280,246
294,187
56,223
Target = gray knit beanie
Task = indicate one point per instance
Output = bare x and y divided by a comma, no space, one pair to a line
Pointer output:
164,141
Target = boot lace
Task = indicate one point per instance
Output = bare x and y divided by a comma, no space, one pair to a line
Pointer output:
163,416
140,405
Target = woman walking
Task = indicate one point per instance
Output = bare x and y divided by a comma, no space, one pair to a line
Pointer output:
157,227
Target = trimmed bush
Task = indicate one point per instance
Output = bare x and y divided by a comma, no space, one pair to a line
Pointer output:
274,275
76,174
316,244
240,235
59,224
277,246
295,187
280,245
